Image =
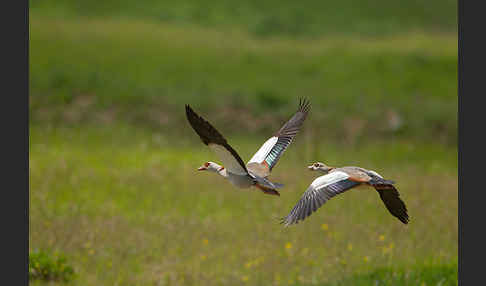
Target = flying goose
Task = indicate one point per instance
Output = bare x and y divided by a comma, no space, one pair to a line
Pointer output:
338,180
258,168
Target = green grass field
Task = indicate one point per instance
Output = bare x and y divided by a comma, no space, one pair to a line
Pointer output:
151,70
308,18
128,207
113,180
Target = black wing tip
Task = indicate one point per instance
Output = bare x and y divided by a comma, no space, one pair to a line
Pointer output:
304,105
192,115
405,219
189,110
195,120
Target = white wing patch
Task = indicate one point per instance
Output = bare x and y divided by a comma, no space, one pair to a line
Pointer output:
262,153
375,173
229,162
328,179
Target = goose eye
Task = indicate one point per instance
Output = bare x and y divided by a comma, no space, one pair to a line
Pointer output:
206,164
316,164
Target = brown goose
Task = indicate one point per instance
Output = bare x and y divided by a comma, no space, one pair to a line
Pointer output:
256,171
339,180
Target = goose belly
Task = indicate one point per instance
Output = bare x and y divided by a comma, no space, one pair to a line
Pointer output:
240,181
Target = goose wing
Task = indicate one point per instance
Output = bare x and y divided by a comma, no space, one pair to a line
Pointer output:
216,142
391,198
269,153
318,193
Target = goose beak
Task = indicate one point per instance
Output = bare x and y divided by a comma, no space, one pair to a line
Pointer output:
201,168
311,168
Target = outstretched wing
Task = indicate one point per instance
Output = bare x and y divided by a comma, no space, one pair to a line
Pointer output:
318,193
216,142
391,198
269,153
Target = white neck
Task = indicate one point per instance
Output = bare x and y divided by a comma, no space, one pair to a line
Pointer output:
322,171
223,172
218,169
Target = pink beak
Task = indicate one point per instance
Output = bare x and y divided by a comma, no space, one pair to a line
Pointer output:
201,168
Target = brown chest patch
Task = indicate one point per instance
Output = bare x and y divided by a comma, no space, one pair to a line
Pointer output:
355,174
260,169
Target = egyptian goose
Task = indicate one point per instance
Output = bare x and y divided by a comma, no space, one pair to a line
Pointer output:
339,180
256,171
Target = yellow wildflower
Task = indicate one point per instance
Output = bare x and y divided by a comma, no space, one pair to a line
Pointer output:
366,259
381,238
288,245
350,247
324,226
245,278
205,241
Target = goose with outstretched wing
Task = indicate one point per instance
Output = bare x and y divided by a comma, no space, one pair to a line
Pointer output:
338,180
256,171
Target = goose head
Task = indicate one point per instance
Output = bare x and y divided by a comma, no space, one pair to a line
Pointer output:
210,166
318,166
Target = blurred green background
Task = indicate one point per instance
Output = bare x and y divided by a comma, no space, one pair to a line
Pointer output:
113,186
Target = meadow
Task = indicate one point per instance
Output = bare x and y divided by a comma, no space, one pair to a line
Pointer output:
113,180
